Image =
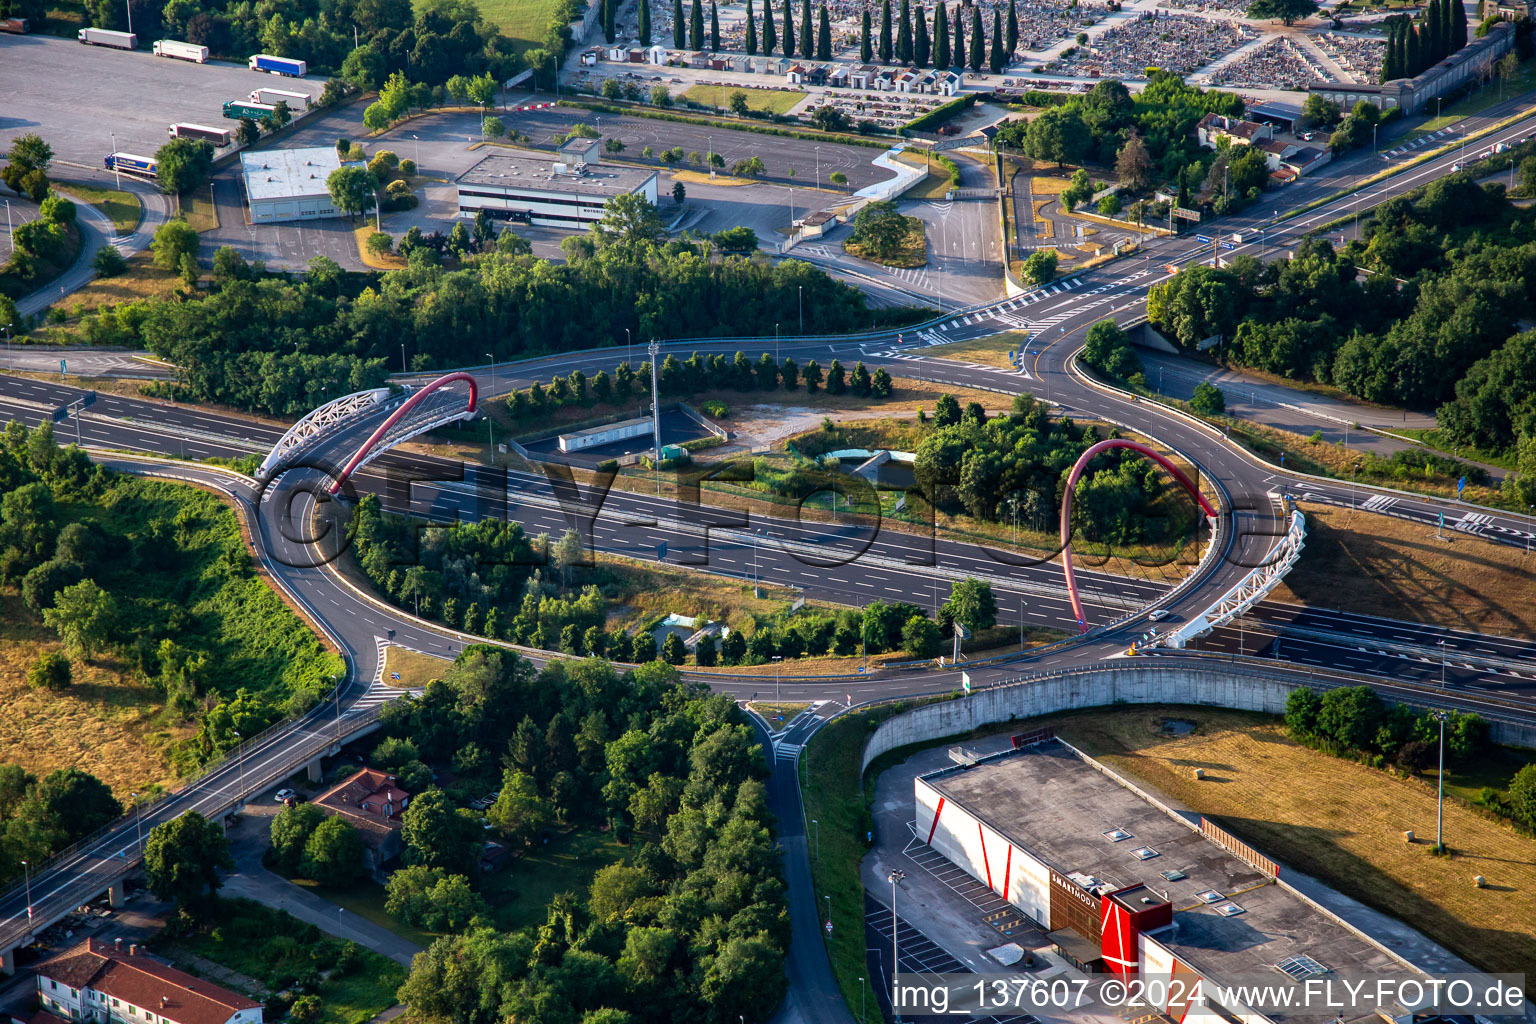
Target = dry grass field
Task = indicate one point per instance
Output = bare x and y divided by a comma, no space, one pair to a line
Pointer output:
1377,565
991,351
103,723
1337,821
414,668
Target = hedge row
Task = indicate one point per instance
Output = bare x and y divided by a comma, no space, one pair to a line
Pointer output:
940,114
654,113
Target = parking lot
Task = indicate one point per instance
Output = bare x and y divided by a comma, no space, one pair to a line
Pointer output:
77,97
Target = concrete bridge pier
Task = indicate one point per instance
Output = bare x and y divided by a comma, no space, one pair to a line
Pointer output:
115,895
313,768
7,962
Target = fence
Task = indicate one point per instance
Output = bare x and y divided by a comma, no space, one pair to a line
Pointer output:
1239,849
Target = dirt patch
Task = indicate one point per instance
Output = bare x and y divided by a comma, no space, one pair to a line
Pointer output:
1378,565
1337,820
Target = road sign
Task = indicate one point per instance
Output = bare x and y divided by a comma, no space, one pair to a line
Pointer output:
829,927
965,680
966,140
661,550
1229,245
1183,213
1461,485
963,632
63,366
1203,238
395,676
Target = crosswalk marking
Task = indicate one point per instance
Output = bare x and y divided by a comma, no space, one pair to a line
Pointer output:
786,751
1473,521
1379,502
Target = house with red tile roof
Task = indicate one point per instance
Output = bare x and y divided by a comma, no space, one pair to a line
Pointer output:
372,801
105,983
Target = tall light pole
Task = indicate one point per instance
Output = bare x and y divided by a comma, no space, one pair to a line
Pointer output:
240,757
1440,716
653,348
490,424
861,1001
801,288
776,350
128,6
116,174
778,695
895,877
816,829
818,168
403,367
1441,645
139,815
629,348
27,870
418,152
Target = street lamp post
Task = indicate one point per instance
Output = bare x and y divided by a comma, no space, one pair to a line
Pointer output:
241,759
116,174
861,1000
139,816
818,168
654,348
1440,716
895,877
418,152
801,289
778,694
1441,645
816,830
629,348
490,425
829,915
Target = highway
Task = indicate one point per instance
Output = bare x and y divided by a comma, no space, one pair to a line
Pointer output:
896,566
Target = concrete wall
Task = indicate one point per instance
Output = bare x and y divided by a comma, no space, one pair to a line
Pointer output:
1151,682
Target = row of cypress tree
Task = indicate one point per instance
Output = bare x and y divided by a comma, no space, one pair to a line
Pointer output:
1412,46
911,43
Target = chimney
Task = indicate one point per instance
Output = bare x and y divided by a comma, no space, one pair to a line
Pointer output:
165,1001
118,943
133,948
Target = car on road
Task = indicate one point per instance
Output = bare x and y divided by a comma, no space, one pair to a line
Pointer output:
1159,615
282,796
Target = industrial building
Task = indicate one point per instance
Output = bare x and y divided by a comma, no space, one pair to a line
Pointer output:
1123,886
289,184
568,191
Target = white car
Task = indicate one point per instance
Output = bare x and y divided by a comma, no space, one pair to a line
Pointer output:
1159,615
283,795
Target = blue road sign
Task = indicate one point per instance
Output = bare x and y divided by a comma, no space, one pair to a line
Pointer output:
1461,485
1203,238
661,550
63,366
1229,245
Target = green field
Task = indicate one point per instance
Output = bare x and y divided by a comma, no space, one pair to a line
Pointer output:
122,208
775,101
522,891
526,21
1523,81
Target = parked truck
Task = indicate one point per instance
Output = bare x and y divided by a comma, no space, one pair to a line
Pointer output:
15,26
107,37
297,101
218,136
181,51
278,65
128,163
236,109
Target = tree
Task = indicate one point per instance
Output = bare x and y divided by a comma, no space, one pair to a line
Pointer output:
880,385
184,165
922,50
978,42
643,22
351,189
672,650
629,219
1301,712
995,58
714,27
887,50
770,32
50,671
1058,134
108,262
1108,348
836,380
172,240
1208,399
84,615
661,96
789,31
1011,43
904,33
921,637
519,813
972,604
1350,716
941,55
679,193
679,25
1288,11
182,860
866,44
880,229
696,26
290,832
751,43
27,170
738,103
1039,266
824,36
1522,796
247,131
438,834
334,853
1134,165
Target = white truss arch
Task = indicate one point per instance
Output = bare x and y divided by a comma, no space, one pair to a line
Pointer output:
317,423
1250,590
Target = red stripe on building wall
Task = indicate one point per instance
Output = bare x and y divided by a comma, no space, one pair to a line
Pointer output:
983,834
936,812
1007,870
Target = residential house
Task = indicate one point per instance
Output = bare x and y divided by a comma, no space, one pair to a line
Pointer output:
372,802
1214,127
103,983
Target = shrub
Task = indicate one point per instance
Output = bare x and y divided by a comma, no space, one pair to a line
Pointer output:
50,671
108,262
716,408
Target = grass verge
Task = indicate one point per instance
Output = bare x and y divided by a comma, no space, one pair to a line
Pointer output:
935,186
1378,565
392,261
775,101
991,351
198,211
1488,96
409,669
366,899
123,209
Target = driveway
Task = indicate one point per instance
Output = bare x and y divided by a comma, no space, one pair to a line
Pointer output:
249,839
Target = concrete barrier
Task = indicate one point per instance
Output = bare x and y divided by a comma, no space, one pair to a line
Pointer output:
1155,681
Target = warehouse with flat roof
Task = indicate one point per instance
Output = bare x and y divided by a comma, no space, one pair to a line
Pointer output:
289,184
1123,887
566,191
